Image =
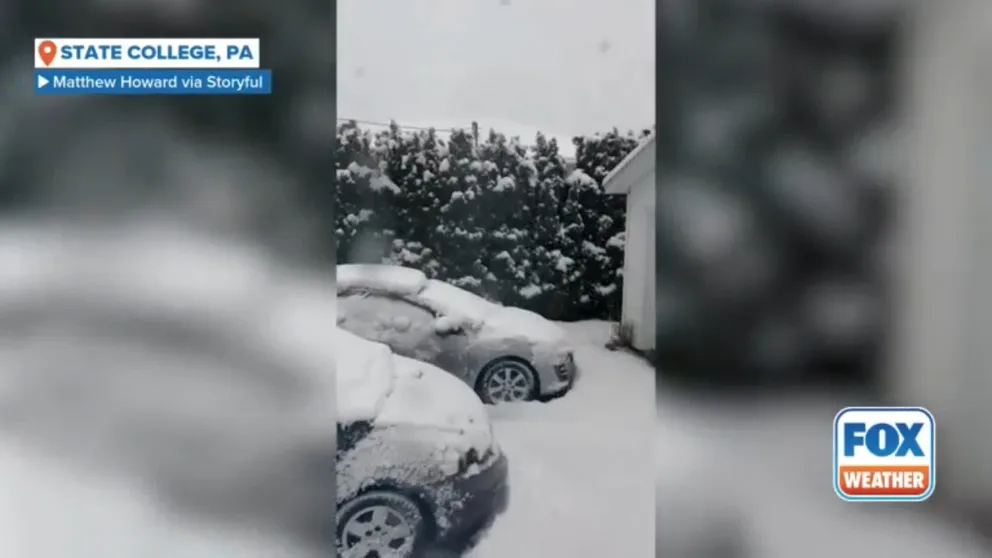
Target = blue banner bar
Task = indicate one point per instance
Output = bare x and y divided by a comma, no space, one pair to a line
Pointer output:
153,82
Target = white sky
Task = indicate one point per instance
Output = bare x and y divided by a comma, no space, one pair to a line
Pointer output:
565,67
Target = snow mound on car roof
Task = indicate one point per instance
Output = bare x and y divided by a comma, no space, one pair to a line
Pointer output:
365,376
391,278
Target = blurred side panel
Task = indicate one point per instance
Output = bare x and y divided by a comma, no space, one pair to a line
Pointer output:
777,122
822,228
165,288
694,517
770,210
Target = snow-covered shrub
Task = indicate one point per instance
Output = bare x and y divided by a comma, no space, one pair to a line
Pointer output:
492,216
365,196
412,163
541,289
594,223
457,232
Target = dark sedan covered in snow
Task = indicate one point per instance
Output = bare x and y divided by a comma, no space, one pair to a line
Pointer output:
418,468
505,354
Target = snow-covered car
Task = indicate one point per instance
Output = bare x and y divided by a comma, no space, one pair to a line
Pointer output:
505,354
417,465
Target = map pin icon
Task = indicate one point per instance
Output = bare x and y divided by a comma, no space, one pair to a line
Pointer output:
46,50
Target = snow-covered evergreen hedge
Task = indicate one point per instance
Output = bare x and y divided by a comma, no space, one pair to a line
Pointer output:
496,217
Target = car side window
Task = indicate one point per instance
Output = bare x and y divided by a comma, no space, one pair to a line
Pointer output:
407,328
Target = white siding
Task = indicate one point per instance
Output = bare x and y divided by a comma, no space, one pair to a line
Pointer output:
639,276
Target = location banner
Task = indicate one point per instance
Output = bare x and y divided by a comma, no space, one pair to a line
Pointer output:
153,82
151,66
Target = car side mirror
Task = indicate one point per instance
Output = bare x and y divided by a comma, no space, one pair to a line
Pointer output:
447,326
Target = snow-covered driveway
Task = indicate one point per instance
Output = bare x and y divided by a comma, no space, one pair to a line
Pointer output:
581,467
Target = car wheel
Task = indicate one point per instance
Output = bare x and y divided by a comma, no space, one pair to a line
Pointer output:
507,381
380,524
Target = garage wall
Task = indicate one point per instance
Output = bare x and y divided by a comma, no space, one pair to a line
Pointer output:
639,262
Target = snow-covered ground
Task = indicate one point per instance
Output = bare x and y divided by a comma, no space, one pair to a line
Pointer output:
580,466
579,481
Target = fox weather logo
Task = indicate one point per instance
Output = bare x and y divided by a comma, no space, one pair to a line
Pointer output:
884,454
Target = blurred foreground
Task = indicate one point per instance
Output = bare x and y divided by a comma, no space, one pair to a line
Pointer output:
752,479
160,393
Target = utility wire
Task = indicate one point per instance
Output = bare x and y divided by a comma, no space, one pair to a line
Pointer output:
400,126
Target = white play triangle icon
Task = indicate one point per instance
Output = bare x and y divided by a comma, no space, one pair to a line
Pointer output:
42,81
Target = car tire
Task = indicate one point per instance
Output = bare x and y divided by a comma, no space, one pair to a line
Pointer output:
367,517
514,374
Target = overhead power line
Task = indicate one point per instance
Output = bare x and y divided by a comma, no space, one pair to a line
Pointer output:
400,126
440,130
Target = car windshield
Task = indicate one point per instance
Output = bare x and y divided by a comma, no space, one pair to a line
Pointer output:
451,301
